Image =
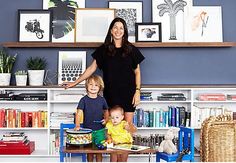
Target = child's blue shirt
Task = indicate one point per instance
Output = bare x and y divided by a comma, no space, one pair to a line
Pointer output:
93,109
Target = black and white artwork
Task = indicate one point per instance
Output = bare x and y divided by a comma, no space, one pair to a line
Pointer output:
71,64
171,14
34,25
148,32
92,24
131,12
63,18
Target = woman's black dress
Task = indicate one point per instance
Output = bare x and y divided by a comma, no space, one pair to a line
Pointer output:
118,75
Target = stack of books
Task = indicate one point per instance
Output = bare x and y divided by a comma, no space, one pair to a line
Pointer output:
146,96
211,97
171,97
6,96
16,143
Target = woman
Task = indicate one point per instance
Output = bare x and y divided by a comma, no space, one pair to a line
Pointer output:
119,60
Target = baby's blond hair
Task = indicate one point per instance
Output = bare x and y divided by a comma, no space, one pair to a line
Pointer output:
117,108
97,79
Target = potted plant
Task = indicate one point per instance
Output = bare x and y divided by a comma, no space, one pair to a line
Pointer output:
36,66
6,64
21,77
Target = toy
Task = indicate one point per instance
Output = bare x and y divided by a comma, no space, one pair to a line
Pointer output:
167,145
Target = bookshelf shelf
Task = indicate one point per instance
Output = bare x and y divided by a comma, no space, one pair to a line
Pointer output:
42,136
137,44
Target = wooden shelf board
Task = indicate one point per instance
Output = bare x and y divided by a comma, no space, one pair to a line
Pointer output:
97,44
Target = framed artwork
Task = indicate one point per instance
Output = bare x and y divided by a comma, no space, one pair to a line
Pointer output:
92,24
34,26
204,24
131,12
63,23
71,64
148,32
172,24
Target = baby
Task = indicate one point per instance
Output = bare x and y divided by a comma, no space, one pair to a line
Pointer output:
119,131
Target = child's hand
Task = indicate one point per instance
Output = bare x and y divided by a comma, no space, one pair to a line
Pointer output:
104,122
126,126
77,128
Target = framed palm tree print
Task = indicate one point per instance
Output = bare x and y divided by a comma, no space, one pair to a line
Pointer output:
171,14
63,26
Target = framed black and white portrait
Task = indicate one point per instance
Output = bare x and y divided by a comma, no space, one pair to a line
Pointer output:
131,12
63,20
34,25
148,32
71,64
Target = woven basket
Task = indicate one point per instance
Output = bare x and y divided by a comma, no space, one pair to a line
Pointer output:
218,139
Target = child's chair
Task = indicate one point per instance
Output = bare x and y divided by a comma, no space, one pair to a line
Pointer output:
62,154
186,142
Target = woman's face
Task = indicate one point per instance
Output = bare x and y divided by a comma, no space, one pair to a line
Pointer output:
117,31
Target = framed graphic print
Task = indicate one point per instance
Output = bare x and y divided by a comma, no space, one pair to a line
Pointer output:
131,12
71,64
92,24
148,32
171,14
63,23
34,26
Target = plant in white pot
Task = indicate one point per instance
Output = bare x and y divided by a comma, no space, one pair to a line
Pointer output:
21,77
6,64
36,69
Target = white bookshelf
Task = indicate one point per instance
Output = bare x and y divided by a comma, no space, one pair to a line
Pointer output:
54,103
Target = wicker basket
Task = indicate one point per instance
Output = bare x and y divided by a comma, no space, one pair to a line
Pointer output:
218,139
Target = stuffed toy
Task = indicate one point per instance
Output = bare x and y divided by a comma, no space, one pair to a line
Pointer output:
167,145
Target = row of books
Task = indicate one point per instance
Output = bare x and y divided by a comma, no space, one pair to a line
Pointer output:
173,116
54,144
15,118
201,113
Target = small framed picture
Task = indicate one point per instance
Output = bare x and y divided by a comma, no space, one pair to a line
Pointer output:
71,64
148,32
34,25
92,24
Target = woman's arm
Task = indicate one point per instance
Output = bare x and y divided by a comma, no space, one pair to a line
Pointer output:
136,98
87,73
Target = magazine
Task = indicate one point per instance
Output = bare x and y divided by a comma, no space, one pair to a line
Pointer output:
130,147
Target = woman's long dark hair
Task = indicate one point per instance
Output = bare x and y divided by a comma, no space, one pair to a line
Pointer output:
109,43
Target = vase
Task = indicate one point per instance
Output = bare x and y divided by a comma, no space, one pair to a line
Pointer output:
5,79
21,80
36,77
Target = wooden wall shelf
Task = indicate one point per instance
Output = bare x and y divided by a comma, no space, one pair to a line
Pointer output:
97,44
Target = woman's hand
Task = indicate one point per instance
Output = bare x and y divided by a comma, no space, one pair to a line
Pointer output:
136,98
68,84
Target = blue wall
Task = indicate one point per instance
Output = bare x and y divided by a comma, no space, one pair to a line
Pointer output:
161,66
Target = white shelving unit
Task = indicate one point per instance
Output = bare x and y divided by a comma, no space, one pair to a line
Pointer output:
61,100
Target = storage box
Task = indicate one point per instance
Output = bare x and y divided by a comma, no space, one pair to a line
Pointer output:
17,149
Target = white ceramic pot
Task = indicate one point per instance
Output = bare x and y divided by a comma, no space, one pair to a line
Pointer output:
21,80
36,77
5,79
